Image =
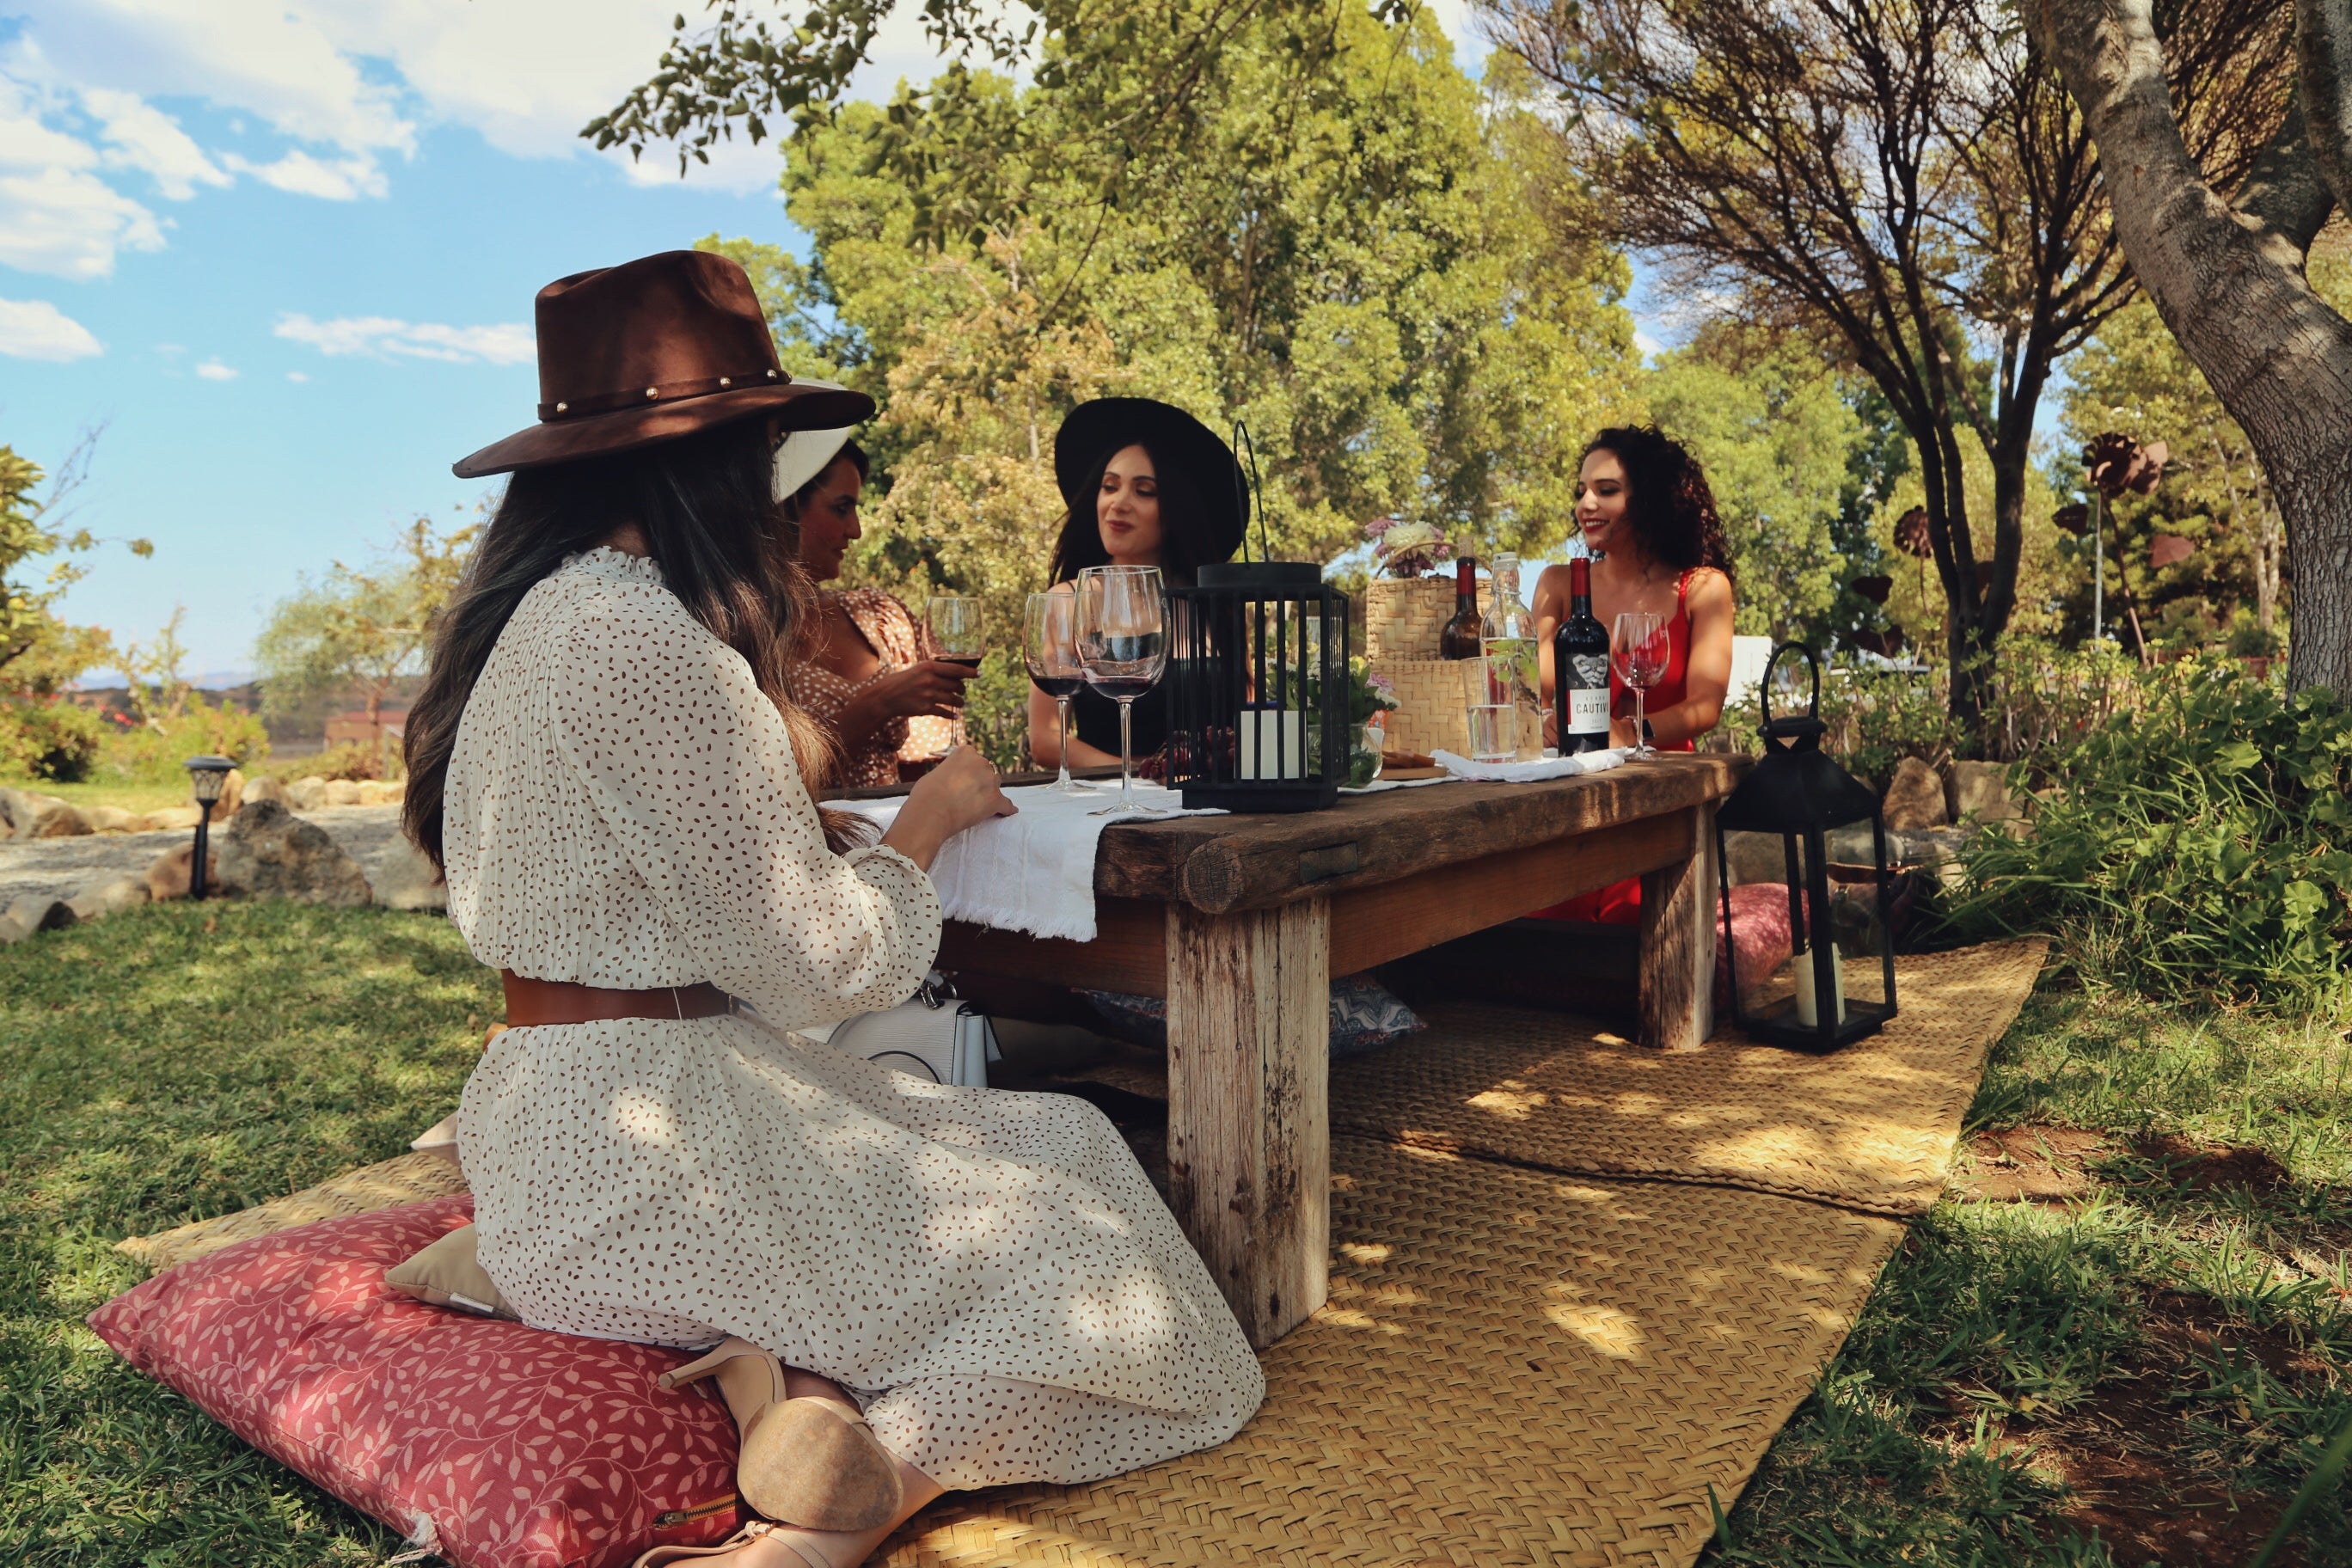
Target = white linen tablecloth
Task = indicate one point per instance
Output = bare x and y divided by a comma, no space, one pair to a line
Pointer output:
1034,871
1528,772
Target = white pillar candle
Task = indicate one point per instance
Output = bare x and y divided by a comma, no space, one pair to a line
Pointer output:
1273,744
1808,1009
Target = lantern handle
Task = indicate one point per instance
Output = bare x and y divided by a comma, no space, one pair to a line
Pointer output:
1764,688
1247,484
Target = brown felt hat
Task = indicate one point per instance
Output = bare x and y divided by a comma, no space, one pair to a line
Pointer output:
650,351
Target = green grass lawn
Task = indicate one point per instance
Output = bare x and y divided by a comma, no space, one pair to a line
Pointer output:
2156,1347
2141,1363
177,1063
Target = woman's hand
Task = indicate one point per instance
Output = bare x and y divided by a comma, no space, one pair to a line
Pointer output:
932,689
960,793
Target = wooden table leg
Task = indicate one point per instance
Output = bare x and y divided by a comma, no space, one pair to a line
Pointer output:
1678,964
1249,1114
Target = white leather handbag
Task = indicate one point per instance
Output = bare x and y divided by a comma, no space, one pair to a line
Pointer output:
933,1035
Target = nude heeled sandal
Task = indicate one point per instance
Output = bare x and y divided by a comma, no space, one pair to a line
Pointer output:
662,1555
803,1461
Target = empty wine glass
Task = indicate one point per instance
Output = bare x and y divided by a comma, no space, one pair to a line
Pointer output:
1641,649
1122,649
1049,647
955,629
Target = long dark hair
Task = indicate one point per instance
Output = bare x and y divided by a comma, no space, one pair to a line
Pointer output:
726,548
1185,544
1669,502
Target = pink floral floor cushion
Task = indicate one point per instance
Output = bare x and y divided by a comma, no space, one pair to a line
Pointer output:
518,1447
1759,935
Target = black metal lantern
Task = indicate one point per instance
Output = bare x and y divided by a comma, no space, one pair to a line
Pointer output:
208,776
1257,682
1838,983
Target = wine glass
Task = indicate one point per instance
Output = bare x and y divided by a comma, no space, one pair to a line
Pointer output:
1641,649
1122,649
1049,647
955,629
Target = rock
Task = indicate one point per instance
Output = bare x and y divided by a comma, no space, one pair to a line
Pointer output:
168,875
34,912
375,792
173,816
1980,790
108,898
1916,799
1755,857
34,815
270,853
307,793
266,788
232,795
114,819
341,791
404,880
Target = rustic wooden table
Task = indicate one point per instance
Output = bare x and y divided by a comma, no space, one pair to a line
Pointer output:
1241,923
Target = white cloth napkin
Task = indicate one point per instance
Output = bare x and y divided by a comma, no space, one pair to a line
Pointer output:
1034,871
1527,772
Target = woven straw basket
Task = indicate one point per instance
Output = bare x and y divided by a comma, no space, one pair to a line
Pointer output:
1404,618
1431,694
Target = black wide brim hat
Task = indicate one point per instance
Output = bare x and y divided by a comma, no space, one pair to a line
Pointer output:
1095,430
652,350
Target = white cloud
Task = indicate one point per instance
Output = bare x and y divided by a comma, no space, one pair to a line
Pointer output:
296,377
57,215
1645,344
382,337
35,329
299,173
213,369
140,136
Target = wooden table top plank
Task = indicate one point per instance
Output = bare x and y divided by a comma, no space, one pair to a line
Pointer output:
1219,864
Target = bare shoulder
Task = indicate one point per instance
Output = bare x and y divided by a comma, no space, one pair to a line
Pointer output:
1551,582
1709,589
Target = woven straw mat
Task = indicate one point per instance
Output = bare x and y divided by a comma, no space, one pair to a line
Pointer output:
411,1178
1870,1126
1514,1369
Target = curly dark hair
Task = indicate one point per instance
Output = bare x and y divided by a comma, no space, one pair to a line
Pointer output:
1670,505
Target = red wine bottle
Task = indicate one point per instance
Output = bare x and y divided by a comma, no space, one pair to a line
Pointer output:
1460,637
1580,663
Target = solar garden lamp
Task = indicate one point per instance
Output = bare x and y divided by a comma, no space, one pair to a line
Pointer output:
1838,984
209,775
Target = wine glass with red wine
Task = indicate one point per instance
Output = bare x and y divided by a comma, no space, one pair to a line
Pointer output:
1642,649
1049,647
955,629
1122,649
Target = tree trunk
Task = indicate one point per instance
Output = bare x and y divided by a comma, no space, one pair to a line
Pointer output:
2231,289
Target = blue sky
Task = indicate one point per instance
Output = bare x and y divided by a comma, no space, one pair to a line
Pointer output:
283,251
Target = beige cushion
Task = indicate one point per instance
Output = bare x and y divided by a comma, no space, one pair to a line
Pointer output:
447,1275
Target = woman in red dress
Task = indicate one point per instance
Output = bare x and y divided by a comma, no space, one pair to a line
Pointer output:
1648,519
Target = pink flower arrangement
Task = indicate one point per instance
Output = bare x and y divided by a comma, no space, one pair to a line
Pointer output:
1407,549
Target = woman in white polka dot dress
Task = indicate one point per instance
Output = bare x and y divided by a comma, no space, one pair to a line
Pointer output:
911,1287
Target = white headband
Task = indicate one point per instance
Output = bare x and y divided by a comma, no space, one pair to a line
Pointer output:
805,453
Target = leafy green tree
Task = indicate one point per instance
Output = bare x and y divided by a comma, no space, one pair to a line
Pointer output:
39,653
362,628
1769,421
2216,494
1389,279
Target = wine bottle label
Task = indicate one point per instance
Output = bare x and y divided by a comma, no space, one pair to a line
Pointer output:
1588,670
1588,710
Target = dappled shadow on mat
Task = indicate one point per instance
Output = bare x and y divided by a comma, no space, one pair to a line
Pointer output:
1514,1369
1871,1127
